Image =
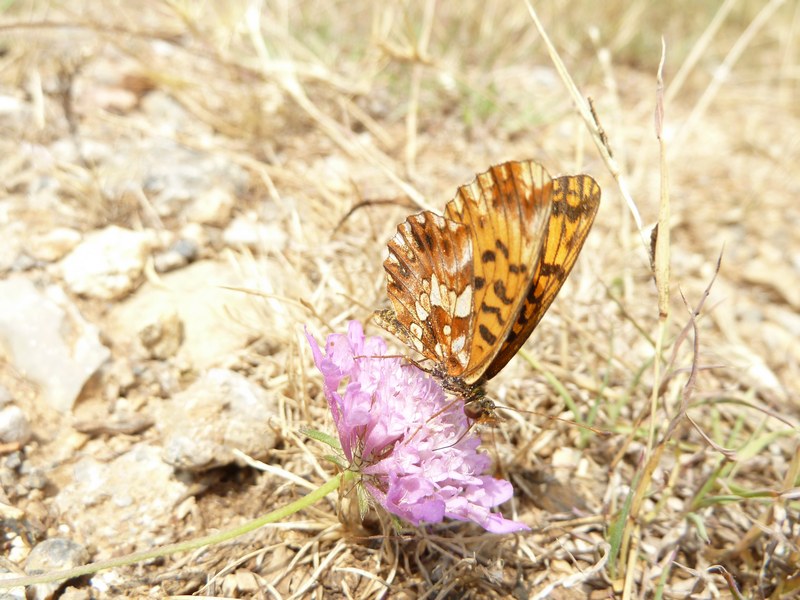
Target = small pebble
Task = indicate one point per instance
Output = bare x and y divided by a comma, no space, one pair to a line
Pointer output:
54,554
14,426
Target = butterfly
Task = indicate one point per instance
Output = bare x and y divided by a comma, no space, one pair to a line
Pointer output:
468,288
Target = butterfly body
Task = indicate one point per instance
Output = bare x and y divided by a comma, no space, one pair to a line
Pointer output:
468,288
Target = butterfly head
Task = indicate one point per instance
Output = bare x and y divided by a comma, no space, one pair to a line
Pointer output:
477,407
481,410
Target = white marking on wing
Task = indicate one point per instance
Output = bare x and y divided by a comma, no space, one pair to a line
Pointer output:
425,301
422,314
458,343
436,297
464,303
463,358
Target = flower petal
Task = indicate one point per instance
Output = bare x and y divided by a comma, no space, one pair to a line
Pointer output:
414,448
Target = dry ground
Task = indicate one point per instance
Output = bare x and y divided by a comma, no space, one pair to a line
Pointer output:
321,105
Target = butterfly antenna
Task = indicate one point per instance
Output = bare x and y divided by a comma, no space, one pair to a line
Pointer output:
409,361
378,202
601,432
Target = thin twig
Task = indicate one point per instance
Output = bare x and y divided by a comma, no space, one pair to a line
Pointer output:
583,109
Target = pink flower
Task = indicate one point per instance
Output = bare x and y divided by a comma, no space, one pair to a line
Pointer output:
411,445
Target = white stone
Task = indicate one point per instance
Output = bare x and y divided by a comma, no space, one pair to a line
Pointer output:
221,412
53,554
198,294
128,497
250,233
212,207
10,105
14,426
54,244
108,264
48,340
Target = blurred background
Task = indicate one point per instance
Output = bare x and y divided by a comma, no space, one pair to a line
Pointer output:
185,185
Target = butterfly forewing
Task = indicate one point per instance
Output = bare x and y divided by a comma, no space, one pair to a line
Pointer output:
507,211
429,283
575,200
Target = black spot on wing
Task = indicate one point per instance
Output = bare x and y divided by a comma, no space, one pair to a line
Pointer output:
500,290
501,247
552,269
487,335
417,239
493,310
447,247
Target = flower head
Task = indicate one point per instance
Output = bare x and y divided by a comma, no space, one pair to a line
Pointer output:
411,445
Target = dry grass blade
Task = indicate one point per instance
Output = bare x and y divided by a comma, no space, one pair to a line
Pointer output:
600,139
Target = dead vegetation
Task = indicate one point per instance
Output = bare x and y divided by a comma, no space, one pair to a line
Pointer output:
324,105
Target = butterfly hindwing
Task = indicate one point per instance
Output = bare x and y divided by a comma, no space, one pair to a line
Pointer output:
429,283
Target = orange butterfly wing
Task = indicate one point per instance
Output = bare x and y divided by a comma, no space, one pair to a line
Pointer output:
429,282
507,210
575,201
467,289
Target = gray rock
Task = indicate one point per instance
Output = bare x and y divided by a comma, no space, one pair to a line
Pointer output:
35,479
170,174
207,310
178,255
107,264
187,248
128,500
54,554
49,341
13,461
23,263
220,412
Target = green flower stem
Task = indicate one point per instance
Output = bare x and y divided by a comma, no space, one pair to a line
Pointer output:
216,538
